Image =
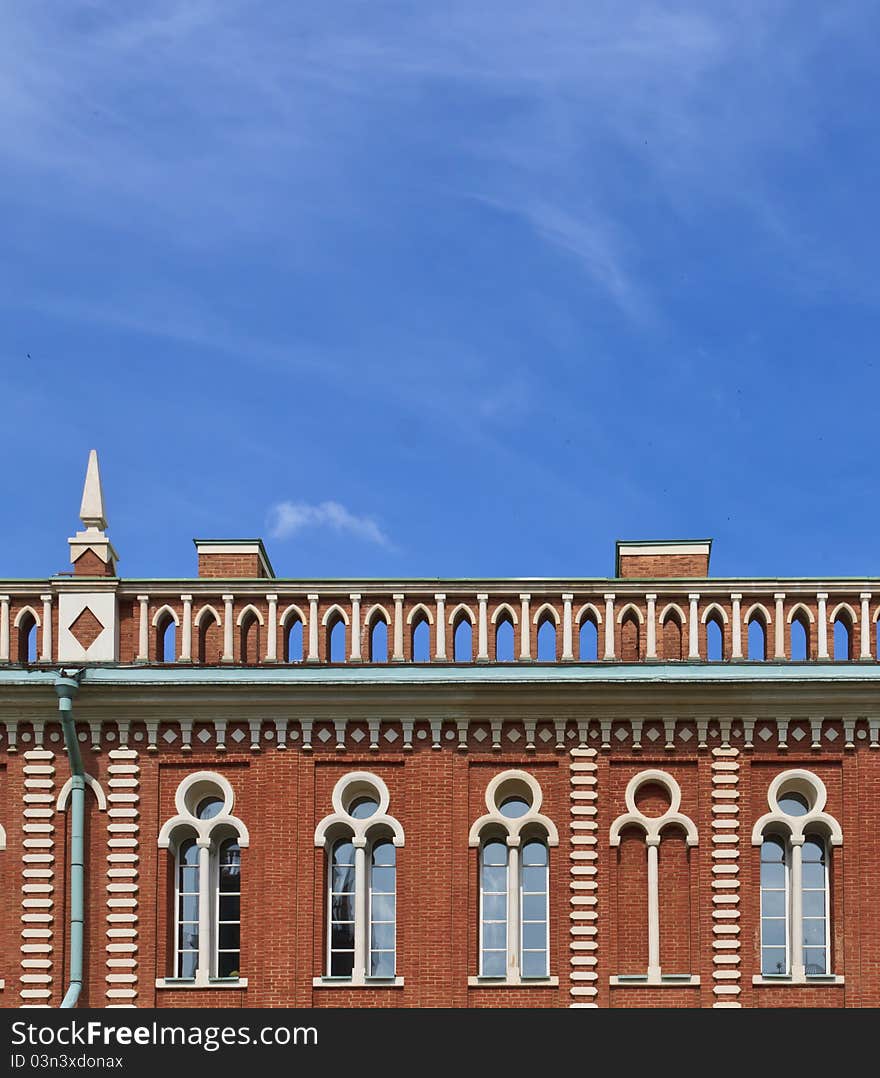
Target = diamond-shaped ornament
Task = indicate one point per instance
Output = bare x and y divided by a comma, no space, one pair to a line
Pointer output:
85,628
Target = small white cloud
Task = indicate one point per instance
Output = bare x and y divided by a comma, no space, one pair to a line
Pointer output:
288,518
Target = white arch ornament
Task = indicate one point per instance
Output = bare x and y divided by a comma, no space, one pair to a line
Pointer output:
653,826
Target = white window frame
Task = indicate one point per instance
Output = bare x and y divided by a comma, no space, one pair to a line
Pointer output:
786,876
377,840
513,832
486,839
522,920
363,834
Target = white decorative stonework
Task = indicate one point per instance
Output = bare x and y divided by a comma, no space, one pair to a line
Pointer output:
102,606
584,914
123,856
38,875
725,878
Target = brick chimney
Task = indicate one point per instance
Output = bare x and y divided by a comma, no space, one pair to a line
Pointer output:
242,559
672,558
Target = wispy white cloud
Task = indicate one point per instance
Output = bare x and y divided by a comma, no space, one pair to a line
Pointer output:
290,518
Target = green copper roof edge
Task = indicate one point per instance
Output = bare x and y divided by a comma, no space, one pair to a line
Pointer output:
576,673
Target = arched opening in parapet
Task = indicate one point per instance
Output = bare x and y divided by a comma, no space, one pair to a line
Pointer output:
378,638
166,638
27,637
547,638
714,639
421,640
588,639
336,639
843,637
292,650
463,639
249,639
630,637
757,638
671,631
799,638
504,643
210,637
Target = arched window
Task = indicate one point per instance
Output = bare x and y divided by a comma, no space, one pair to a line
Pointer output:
547,639
504,642
206,840
757,640
167,642
513,840
336,640
799,638
27,623
293,640
653,803
714,639
588,640
463,640
843,636
421,640
379,640
795,839
361,841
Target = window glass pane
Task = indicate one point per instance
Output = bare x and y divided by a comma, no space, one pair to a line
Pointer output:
383,879
342,907
363,807
188,937
814,903
494,935
534,907
382,964
493,963
772,851
384,853
342,879
495,907
773,932
813,875
341,963
382,937
534,964
814,930
230,908
773,876
534,879
187,962
188,908
534,853
189,854
383,907
228,937
342,935
227,964
494,879
513,807
794,804
534,935
343,853
494,853
773,960
814,850
209,807
773,904
815,961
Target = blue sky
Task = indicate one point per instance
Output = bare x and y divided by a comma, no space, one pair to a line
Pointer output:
469,289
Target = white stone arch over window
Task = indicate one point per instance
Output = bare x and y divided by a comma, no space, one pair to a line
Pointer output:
504,610
757,608
672,608
335,611
588,608
844,608
249,609
289,613
653,827
420,611
546,609
800,609
206,838
2,838
462,608
716,610
360,839
162,612
375,609
795,838
203,612
93,784
514,839
19,617
631,608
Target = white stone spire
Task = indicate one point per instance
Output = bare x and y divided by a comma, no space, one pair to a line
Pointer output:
91,510
94,537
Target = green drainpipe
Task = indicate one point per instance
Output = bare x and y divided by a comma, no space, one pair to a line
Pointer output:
66,685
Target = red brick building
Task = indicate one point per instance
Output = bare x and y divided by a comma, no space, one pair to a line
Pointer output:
653,789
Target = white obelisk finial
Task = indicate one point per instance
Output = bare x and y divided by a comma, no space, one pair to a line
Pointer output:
94,537
91,510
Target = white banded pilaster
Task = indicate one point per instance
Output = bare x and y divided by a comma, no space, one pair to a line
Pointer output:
725,878
38,879
123,857
584,915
